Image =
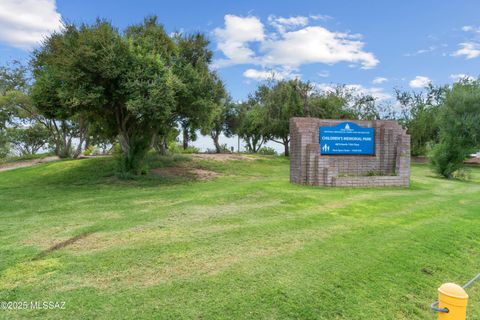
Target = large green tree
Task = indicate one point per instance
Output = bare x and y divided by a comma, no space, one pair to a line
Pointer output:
249,124
136,85
28,140
419,116
459,127
347,102
328,105
121,82
281,101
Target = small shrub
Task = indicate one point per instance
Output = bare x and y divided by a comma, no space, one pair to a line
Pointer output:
223,149
89,151
133,160
116,149
447,158
462,174
176,148
190,149
267,151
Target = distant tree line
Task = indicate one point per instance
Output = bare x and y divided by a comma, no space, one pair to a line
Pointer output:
443,121
142,89
265,115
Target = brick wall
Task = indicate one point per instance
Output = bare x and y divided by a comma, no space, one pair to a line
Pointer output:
390,166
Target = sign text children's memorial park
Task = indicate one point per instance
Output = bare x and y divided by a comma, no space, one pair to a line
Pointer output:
347,138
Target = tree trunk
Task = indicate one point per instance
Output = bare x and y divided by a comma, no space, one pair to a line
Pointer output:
164,146
256,144
88,142
249,145
64,141
160,144
305,106
287,148
82,133
79,149
185,138
124,142
215,138
285,142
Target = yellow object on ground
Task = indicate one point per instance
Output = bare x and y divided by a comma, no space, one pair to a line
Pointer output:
454,298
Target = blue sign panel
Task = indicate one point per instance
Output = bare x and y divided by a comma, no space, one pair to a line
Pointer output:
347,138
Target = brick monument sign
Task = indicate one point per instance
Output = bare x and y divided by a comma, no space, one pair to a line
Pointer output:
349,153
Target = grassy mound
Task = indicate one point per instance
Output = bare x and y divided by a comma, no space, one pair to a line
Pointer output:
244,244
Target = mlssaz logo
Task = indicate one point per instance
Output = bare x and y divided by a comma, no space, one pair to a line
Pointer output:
325,148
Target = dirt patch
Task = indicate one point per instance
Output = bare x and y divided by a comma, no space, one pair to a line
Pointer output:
186,173
203,174
62,244
26,163
223,156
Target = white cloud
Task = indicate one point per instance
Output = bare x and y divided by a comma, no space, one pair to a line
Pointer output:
293,44
269,74
293,21
234,38
316,45
282,24
326,87
24,23
421,51
471,29
379,80
420,82
324,74
378,93
459,76
468,49
321,17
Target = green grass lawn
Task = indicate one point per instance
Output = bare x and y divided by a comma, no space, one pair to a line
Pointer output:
245,245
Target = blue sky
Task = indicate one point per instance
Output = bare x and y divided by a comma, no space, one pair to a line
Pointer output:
350,42
373,46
